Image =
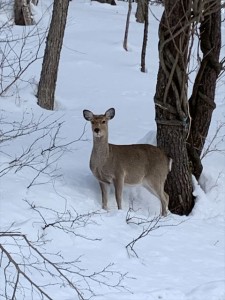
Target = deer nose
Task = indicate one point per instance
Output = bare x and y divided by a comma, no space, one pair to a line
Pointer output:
96,130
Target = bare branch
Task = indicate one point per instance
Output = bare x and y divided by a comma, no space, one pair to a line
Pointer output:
214,144
148,224
24,263
18,53
67,221
44,151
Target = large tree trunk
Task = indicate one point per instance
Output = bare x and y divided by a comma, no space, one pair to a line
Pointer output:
47,83
171,101
202,101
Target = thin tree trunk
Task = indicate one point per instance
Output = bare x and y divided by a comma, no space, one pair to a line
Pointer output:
145,38
171,101
49,72
127,25
202,101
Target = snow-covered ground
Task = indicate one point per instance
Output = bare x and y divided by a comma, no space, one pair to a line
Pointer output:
184,259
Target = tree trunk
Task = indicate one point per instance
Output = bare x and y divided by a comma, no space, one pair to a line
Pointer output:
112,2
202,101
145,38
172,139
47,83
171,101
22,13
140,12
127,25
35,2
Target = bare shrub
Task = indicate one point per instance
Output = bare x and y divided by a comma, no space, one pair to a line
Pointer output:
44,151
148,225
19,49
29,271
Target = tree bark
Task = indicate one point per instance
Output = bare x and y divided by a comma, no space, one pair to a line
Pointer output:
48,78
172,139
140,12
171,102
127,25
22,13
112,2
202,101
145,38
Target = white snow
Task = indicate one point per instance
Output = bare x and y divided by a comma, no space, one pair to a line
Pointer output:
184,259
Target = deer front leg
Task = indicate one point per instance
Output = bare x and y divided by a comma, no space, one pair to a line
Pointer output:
118,184
104,190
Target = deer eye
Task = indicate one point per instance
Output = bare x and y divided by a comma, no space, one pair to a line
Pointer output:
92,122
103,122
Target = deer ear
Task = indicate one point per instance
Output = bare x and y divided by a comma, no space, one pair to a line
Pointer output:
110,113
88,115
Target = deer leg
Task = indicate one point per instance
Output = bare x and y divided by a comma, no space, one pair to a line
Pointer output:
158,191
165,203
104,190
118,184
164,198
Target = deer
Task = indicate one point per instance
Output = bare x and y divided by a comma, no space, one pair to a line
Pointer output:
135,164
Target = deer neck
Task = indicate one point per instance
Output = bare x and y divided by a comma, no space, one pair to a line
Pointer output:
100,151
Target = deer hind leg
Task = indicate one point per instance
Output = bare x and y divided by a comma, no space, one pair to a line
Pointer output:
164,202
158,190
104,190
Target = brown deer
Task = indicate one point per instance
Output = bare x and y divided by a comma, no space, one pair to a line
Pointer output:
126,164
